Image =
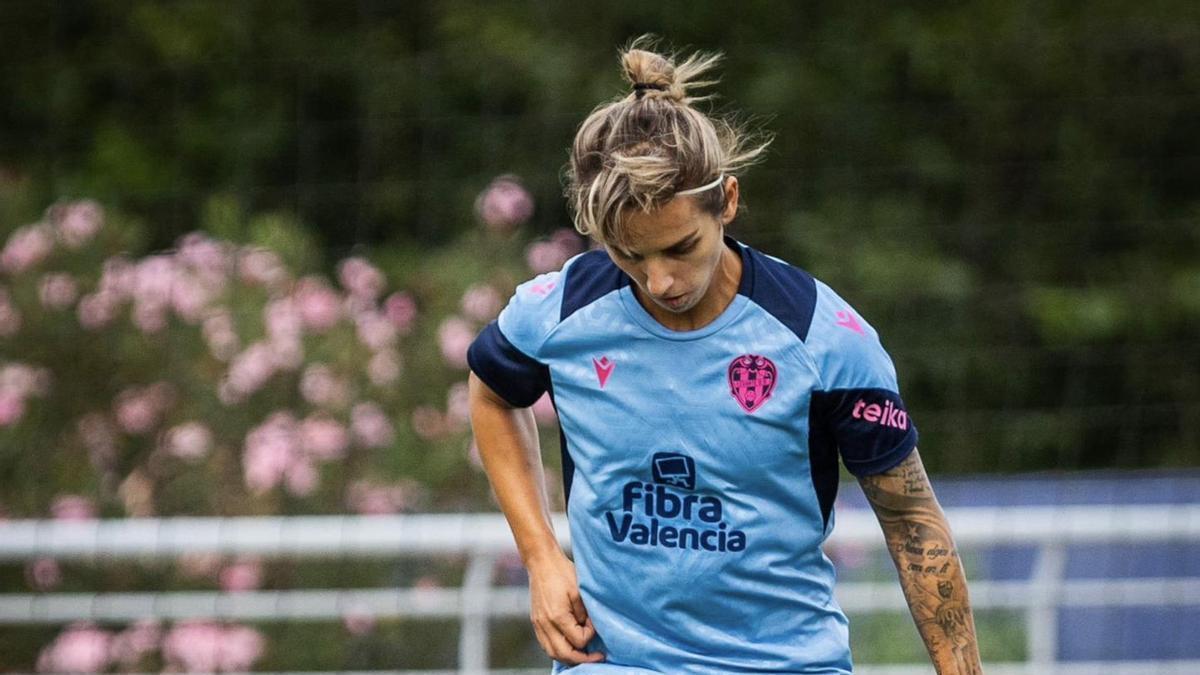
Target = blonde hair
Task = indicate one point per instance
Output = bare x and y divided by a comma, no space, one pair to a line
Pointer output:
640,149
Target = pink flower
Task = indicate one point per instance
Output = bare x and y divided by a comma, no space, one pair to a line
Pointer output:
301,477
368,499
375,331
320,386
271,450
543,411
189,297
97,310
274,452
149,318
26,247
243,646
458,405
58,290
190,441
243,575
261,267
118,278
12,408
204,646
72,507
568,239
504,204
358,622
24,380
77,222
401,310
82,648
384,368
481,302
153,278
370,426
204,254
361,278
288,352
428,423
219,335
319,305
43,574
323,437
131,645
546,256
251,369
282,319
454,338
139,410
193,646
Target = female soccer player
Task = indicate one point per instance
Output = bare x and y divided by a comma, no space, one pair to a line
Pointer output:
705,392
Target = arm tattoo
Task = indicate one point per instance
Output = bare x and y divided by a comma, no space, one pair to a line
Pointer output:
931,575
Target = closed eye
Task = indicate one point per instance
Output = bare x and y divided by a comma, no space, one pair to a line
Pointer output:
683,249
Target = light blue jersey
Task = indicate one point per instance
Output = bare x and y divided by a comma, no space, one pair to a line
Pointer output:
701,466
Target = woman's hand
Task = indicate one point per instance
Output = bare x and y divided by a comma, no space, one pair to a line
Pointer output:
557,612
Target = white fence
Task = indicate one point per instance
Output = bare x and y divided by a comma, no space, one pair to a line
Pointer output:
481,538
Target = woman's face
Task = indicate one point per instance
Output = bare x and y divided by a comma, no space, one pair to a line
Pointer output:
673,251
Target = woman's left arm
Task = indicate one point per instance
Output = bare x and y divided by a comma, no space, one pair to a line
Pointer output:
931,574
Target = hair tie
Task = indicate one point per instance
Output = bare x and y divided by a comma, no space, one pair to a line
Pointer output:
639,88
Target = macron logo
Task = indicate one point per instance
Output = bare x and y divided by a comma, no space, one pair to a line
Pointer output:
846,319
604,368
887,415
542,289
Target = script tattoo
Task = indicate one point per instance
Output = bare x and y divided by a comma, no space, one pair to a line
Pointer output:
931,574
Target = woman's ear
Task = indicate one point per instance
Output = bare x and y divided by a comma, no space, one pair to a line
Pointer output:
731,200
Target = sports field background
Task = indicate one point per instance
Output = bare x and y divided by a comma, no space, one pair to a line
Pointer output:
246,244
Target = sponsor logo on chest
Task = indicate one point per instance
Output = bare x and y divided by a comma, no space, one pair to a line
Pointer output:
666,514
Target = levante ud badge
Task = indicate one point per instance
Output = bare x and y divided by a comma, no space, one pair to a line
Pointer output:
752,378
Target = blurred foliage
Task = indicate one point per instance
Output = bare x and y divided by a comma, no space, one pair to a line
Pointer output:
1006,189
1007,177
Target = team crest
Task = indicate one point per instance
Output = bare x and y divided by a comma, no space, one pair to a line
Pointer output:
752,378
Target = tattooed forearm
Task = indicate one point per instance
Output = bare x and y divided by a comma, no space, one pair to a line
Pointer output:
931,574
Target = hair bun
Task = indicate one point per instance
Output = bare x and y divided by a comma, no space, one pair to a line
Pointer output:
654,75
650,73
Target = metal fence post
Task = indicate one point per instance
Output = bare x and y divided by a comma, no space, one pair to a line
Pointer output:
1045,596
474,643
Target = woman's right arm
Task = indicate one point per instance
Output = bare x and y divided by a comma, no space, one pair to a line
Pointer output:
508,445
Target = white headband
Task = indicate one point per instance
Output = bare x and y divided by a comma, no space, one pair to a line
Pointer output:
707,186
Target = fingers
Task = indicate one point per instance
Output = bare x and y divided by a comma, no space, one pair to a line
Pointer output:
588,631
575,633
578,609
559,648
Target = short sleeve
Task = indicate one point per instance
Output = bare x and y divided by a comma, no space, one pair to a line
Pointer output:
505,354
858,404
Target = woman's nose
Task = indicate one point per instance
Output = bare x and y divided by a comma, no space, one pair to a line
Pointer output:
658,279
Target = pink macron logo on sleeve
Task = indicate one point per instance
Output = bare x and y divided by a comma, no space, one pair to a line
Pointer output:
846,319
543,289
604,368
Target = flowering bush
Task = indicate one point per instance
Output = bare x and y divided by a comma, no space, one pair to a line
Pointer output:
226,377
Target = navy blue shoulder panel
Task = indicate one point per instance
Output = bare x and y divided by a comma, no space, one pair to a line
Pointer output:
591,277
787,292
509,372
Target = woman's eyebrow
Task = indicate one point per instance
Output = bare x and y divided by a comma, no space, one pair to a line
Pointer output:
683,242
687,239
